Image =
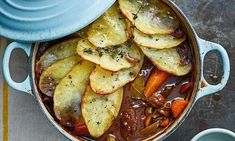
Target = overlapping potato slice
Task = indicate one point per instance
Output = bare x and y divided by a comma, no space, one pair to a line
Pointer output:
57,52
109,29
99,111
53,74
114,58
69,92
167,60
105,82
82,33
150,16
158,41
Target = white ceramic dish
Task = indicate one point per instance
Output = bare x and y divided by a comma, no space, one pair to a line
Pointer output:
215,134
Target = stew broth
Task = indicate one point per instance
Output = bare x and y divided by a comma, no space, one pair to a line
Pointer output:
133,111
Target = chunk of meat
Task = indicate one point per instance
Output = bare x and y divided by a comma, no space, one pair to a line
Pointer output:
128,122
157,100
185,54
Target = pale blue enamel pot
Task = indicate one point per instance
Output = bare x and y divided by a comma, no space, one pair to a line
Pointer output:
43,20
215,134
199,47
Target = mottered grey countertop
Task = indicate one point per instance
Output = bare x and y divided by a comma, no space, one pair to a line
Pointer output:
213,20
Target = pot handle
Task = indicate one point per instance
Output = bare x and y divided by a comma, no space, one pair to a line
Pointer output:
24,86
205,47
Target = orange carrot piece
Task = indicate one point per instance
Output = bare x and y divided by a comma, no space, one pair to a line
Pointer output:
148,120
156,79
184,87
165,122
178,106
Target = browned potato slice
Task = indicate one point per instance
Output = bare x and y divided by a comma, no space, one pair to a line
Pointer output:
114,58
57,52
167,60
157,41
82,32
99,111
109,29
105,82
150,16
52,75
69,92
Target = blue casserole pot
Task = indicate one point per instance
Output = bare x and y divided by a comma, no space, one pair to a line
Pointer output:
44,20
199,48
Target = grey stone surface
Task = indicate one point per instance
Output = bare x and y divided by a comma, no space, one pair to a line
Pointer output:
214,20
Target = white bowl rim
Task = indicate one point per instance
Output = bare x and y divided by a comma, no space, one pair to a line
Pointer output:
213,130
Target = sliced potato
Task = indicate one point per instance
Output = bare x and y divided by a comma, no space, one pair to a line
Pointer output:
105,82
99,111
57,52
150,16
109,29
53,74
69,92
82,32
158,41
167,60
116,58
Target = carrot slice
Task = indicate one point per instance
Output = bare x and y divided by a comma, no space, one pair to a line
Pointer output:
178,106
148,120
81,129
165,122
156,79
